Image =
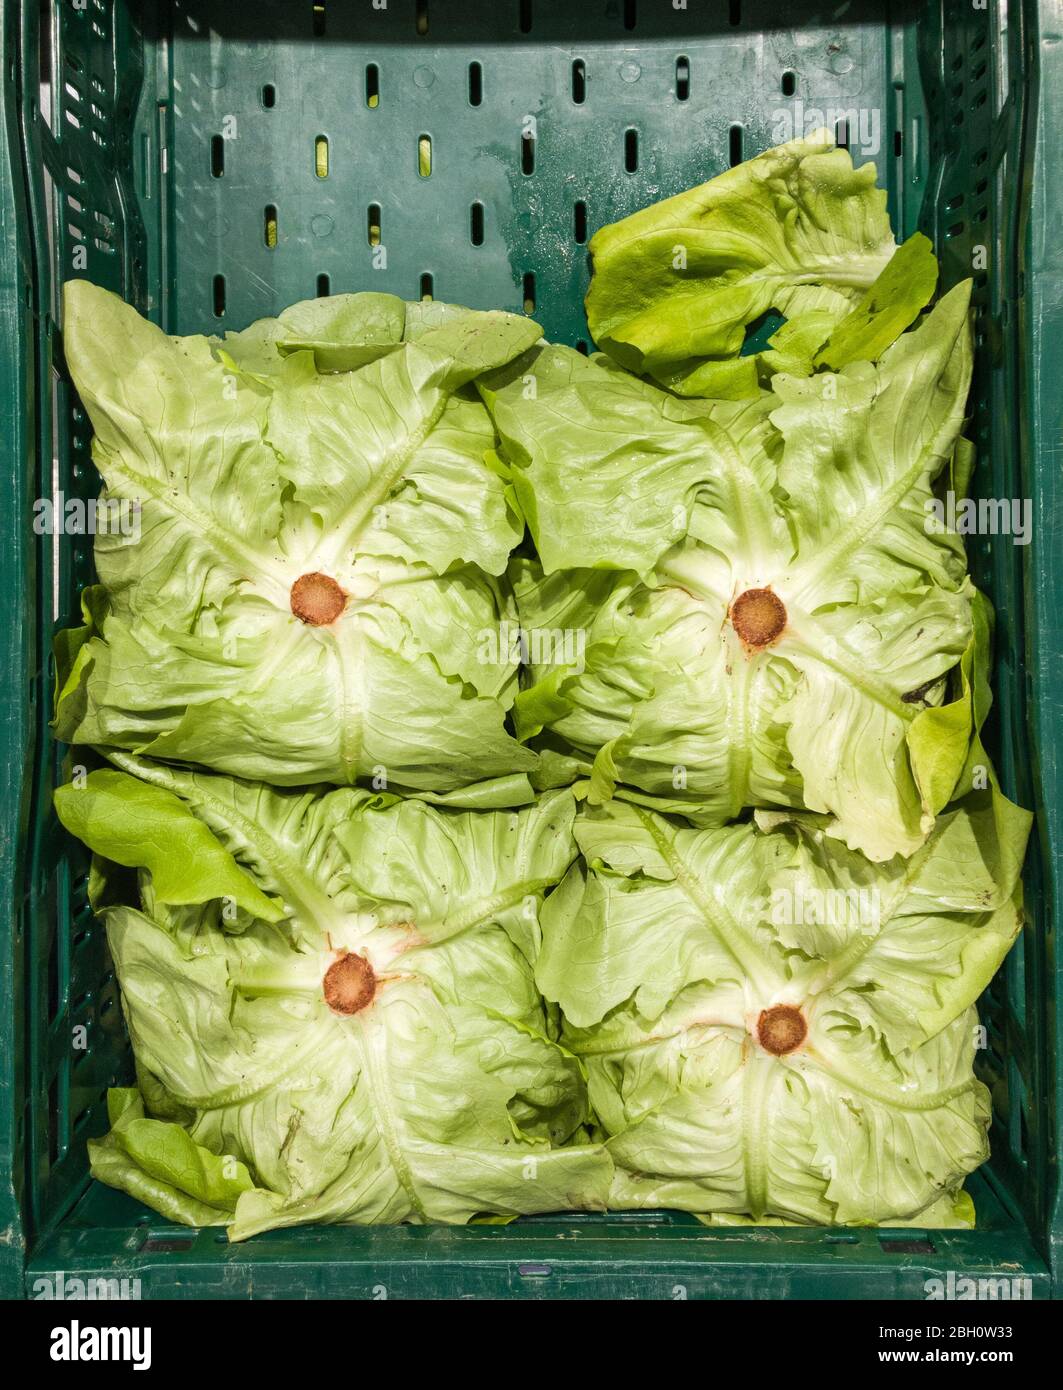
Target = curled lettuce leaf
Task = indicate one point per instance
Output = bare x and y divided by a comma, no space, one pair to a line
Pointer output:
159,1163
797,230
371,486
373,1050
657,519
891,305
774,1027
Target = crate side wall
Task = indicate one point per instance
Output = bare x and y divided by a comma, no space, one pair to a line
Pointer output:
1041,457
17,394
81,81
976,79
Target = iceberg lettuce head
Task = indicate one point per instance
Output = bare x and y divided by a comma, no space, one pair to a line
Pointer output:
317,552
332,1005
768,607
775,1028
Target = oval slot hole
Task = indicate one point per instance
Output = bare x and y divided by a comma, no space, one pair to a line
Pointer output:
631,150
682,78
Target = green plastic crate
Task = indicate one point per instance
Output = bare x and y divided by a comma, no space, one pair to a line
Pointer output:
214,161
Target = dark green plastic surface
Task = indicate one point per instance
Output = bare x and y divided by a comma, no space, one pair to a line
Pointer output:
174,152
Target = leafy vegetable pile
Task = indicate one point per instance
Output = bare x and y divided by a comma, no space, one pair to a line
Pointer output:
525,782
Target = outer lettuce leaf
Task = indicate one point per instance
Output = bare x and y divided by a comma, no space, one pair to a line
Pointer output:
894,301
149,827
945,737
442,1098
666,950
248,480
672,509
161,1164
955,1211
608,469
797,229
817,338
343,331
793,347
